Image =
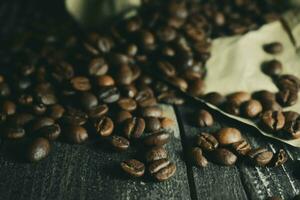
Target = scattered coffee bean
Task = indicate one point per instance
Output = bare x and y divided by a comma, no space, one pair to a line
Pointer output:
207,142
215,98
104,126
238,98
229,136
166,122
134,127
42,122
273,121
109,94
119,143
133,167
204,119
88,100
153,111
38,149
9,107
158,138
224,157
242,147
97,111
127,104
152,124
122,116
105,80
51,132
199,158
272,68
273,48
251,108
287,97
75,134
156,153
14,132
56,111
157,165
81,83
260,156
165,173
280,158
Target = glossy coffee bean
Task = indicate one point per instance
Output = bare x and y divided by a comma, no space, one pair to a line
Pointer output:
273,121
122,116
287,97
239,97
133,167
104,126
119,143
75,134
145,98
124,75
288,82
97,67
166,68
38,149
88,100
97,111
14,132
50,132
242,147
272,68
292,126
198,157
157,165
105,80
196,87
109,94
127,104
156,153
134,127
204,119
38,109
129,91
152,124
179,83
229,136
207,142
231,108
273,48
56,111
215,98
152,111
260,156
280,158
170,98
81,83
8,107
20,119
224,157
264,95
165,173
271,105
251,108
74,117
42,122
158,138
166,123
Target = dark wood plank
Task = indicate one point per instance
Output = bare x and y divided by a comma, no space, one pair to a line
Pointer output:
214,181
88,171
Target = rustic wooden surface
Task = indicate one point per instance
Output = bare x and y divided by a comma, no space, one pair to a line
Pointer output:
91,171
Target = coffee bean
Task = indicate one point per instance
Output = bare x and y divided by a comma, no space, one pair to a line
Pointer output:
14,132
166,68
42,122
158,138
8,107
127,104
25,99
38,149
156,153
124,75
145,98
166,34
132,49
88,100
51,132
165,173
287,97
80,83
105,80
20,119
242,147
109,94
273,121
134,127
288,82
207,142
292,124
157,165
152,124
97,67
178,82
104,126
251,108
280,158
198,157
272,68
119,143
97,111
166,123
104,44
152,111
4,89
74,116
75,134
47,98
56,111
239,97
229,136
271,105
123,116
204,119
264,95
196,87
260,156
231,108
133,167
224,157
129,91
273,48
214,98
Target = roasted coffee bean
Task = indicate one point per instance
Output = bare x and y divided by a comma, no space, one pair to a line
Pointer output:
158,138
56,111
273,121
127,104
14,132
224,157
117,59
132,49
166,68
97,67
74,116
287,97
119,143
204,119
124,75
42,122
104,126
152,124
157,165
280,158
38,149
38,109
241,147
47,98
164,173
88,100
4,89
178,82
75,134
198,157
196,87
145,98
166,122
231,108
239,97
166,34
8,107
170,97
97,111
152,111
215,98
122,116
105,80
251,108
109,94
134,127
207,142
104,44
20,119
25,99
156,153
129,91
229,136
272,68
271,105
264,95
288,82
80,83
273,48
292,124
260,156
133,167
51,132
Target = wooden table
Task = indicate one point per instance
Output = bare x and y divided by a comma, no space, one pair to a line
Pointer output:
91,171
